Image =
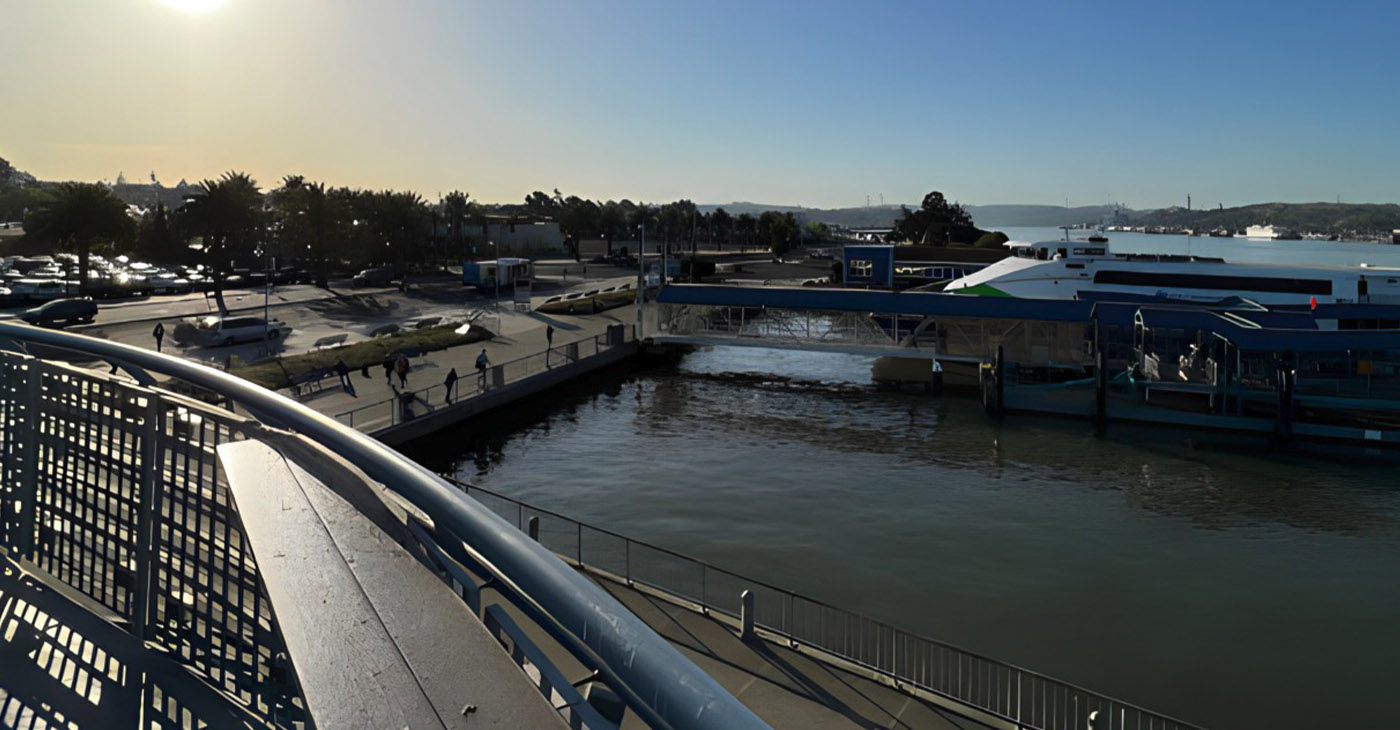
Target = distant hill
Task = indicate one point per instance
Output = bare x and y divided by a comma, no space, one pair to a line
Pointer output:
1024,216
985,216
1362,218
875,216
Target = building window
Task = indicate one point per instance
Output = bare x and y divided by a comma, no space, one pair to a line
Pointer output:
862,268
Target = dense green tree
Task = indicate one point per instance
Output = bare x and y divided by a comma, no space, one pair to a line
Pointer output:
306,220
77,216
722,225
541,205
746,226
778,231
643,217
458,210
612,222
936,223
157,238
577,219
228,219
399,221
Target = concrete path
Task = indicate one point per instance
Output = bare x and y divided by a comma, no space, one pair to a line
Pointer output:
520,335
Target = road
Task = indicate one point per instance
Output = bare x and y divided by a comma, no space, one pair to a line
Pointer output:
315,314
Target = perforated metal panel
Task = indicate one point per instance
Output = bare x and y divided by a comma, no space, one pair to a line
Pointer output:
114,489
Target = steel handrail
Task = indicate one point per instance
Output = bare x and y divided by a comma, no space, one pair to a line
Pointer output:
662,686
415,393
705,603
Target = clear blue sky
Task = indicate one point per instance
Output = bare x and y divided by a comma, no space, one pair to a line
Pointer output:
811,103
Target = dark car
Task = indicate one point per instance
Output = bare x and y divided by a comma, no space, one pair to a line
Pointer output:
61,312
374,277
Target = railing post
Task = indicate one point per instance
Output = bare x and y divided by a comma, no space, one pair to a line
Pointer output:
746,614
152,454
532,527
27,520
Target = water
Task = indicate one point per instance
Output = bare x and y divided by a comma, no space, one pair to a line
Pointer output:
1226,584
1325,253
1235,589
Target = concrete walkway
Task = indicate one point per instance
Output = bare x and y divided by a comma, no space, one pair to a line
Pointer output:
520,335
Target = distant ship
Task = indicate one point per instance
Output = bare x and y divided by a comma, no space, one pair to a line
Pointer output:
1076,270
1272,233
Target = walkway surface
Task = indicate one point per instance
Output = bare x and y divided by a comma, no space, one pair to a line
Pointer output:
65,663
519,335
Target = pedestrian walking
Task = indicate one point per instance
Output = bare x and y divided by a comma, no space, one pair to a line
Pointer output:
401,367
549,342
451,384
159,334
388,370
482,362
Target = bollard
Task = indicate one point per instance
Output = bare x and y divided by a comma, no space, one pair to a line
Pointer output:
746,614
532,526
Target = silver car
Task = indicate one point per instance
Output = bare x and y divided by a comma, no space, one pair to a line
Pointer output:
216,331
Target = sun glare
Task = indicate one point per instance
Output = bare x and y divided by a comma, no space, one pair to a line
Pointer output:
194,6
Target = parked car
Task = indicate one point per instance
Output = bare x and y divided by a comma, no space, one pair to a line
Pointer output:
374,277
61,312
216,331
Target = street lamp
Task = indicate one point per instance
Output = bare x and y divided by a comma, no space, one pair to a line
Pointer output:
641,279
496,302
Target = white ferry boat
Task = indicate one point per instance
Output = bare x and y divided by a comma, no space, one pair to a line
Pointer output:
1080,270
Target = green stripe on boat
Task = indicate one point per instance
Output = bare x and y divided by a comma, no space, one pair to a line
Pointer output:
982,290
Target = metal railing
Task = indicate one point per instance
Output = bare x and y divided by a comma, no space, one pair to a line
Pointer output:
111,488
411,404
1012,694
93,434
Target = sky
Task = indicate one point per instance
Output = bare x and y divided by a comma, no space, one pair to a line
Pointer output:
810,103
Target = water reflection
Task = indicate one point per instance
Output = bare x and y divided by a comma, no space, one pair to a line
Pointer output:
1042,541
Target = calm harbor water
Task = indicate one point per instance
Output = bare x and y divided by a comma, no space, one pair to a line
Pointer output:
1238,589
1229,585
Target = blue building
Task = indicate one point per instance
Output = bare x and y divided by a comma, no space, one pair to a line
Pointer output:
868,266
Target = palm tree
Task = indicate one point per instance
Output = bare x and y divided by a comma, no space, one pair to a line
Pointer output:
457,208
309,215
79,215
228,217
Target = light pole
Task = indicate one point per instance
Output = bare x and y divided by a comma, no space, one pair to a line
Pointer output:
641,279
496,302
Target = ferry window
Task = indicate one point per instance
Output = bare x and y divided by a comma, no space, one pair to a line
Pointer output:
1094,251
1081,252
1074,266
1042,254
1064,253
1025,253
862,267
1225,283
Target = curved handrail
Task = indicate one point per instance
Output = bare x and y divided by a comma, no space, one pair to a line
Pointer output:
664,687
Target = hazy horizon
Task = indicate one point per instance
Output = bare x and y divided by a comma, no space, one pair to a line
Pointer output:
779,103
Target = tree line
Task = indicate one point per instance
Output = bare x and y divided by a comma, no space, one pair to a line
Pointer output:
229,223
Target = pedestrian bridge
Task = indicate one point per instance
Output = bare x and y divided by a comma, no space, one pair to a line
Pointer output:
951,328
180,548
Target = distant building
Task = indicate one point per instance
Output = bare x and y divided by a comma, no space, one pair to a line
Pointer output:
868,266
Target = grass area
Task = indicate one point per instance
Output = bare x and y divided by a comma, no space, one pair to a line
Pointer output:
280,372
